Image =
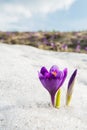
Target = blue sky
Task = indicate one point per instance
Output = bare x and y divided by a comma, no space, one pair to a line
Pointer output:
45,15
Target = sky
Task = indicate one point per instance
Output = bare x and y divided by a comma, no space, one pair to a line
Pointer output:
43,15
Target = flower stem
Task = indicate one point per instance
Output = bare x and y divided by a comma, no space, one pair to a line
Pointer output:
52,99
68,99
58,96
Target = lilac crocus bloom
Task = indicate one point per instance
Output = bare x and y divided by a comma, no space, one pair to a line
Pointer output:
78,48
52,80
85,48
64,47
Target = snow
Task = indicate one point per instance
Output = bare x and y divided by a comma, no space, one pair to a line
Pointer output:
25,104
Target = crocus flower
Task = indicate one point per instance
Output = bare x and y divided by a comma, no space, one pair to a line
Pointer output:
78,48
64,47
85,48
52,80
70,87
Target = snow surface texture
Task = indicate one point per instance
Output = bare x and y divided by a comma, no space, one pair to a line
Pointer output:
24,102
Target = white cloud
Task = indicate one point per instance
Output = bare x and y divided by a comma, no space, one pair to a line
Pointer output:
12,12
16,11
29,8
48,6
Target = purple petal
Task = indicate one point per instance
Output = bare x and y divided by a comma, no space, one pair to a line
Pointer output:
72,78
54,71
51,85
60,75
40,75
54,68
43,70
65,71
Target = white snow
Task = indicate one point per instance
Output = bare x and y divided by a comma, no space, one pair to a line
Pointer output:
25,104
